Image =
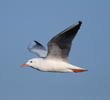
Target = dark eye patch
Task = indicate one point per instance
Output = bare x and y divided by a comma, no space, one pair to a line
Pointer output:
30,61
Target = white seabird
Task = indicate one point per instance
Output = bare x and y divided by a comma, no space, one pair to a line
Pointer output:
55,60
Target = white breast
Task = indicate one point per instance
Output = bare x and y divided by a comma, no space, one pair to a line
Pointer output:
54,66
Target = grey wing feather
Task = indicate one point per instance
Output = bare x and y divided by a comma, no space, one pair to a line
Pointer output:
38,49
60,45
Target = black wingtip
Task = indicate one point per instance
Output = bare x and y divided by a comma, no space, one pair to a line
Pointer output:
37,43
80,22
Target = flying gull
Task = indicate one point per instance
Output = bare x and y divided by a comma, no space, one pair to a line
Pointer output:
56,58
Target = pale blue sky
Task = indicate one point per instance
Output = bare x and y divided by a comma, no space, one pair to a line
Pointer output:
22,21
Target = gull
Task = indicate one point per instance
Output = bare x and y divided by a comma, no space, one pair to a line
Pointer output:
56,58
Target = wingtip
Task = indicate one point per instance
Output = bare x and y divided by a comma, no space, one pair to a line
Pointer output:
37,42
80,22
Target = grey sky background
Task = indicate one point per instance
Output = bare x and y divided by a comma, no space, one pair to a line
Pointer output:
22,21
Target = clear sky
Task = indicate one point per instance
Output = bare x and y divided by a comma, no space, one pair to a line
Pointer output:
22,21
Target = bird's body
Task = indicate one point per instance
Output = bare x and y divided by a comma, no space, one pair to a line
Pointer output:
53,65
56,59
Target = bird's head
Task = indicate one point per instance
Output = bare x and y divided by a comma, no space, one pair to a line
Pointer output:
31,63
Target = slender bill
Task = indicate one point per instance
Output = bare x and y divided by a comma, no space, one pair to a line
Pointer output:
24,65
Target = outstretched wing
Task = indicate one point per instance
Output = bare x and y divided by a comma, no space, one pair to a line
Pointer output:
38,49
60,45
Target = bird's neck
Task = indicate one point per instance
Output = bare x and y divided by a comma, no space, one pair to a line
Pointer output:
38,63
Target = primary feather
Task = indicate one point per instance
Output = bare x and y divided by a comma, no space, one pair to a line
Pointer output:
38,49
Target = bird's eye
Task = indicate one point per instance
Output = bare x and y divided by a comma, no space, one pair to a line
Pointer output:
30,61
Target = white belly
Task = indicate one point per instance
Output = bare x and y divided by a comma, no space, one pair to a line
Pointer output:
56,66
